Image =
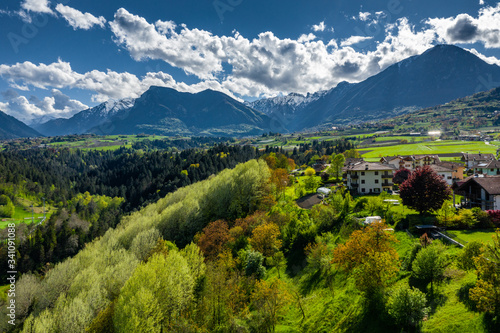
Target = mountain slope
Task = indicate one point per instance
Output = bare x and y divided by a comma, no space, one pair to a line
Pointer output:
84,120
439,75
169,112
479,110
11,128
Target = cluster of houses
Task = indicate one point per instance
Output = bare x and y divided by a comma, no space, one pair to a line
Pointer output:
481,189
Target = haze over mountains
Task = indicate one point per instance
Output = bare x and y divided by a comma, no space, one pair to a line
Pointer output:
439,75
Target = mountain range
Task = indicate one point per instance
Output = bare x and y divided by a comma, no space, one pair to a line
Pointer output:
437,76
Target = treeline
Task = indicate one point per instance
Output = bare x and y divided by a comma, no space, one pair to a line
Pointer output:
181,144
139,177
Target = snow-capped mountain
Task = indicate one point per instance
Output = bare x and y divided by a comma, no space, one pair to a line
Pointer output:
290,102
86,119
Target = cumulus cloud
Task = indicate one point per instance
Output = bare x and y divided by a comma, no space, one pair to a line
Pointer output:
79,20
463,28
105,85
481,2
319,27
266,65
37,6
54,106
354,40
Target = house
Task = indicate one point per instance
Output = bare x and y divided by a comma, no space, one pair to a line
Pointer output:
457,169
473,159
421,160
480,191
410,162
444,172
369,177
488,168
399,162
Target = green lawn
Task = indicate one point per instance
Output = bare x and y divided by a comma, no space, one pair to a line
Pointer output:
481,235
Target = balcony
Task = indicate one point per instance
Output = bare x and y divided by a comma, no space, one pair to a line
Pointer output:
387,184
354,185
386,176
354,176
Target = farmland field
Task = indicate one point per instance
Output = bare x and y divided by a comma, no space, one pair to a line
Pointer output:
431,147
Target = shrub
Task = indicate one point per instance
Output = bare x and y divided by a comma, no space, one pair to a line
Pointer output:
469,252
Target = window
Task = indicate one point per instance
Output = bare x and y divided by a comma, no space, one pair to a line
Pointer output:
362,181
362,190
449,177
377,190
376,173
492,169
376,181
362,173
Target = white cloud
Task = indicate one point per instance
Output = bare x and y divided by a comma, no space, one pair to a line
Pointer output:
364,16
79,20
37,6
319,27
463,28
58,105
306,38
481,2
354,40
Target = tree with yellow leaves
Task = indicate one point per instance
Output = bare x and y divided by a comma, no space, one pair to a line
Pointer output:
271,298
265,239
369,256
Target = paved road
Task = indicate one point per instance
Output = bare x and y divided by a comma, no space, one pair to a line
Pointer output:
308,201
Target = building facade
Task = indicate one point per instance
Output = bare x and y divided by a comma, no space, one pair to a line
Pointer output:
368,177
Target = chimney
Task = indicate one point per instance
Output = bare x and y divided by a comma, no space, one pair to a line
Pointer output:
366,167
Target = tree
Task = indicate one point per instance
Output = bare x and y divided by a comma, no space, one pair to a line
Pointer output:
352,153
311,183
370,256
7,208
424,190
407,306
466,259
155,295
400,176
486,293
265,239
280,179
429,264
337,163
271,298
309,172
213,239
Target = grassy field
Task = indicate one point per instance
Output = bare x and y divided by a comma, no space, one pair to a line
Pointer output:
23,213
481,235
431,147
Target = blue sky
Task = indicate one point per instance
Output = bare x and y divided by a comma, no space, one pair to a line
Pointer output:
59,57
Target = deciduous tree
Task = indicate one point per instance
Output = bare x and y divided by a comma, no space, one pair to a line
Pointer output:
429,264
424,190
370,256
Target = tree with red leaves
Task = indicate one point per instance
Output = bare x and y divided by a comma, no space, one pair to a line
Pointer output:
424,190
400,176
